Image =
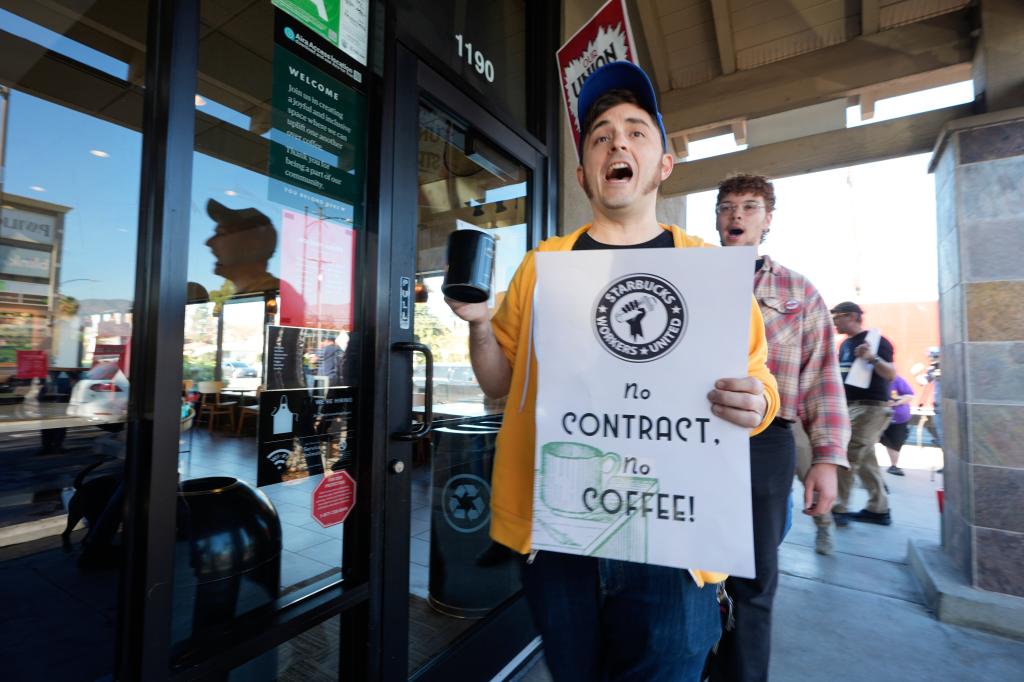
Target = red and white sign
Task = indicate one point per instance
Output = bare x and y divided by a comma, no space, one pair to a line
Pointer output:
317,266
112,352
333,498
32,364
607,37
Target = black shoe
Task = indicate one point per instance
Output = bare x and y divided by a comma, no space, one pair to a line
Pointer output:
865,516
895,470
842,519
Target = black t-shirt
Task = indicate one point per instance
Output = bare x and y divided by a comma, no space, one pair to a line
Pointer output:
588,243
878,389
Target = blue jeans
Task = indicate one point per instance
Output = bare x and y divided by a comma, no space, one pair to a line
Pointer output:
603,620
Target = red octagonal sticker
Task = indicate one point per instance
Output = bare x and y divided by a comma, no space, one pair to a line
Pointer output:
333,498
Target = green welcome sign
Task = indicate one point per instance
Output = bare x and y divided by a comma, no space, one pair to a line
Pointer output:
318,142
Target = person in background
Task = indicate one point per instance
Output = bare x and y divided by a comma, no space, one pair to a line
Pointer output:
802,358
933,385
329,358
895,435
869,415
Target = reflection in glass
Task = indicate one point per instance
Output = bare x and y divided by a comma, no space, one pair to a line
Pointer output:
68,222
242,243
456,573
311,656
270,337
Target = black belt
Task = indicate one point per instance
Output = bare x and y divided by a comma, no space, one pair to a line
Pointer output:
875,403
781,423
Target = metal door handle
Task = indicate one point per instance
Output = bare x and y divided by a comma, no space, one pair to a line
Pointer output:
428,390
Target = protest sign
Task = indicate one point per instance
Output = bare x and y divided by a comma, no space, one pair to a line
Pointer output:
630,462
606,37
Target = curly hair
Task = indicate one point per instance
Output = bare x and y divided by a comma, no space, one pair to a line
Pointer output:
754,184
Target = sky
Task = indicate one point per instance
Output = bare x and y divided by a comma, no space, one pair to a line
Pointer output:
870,226
864,233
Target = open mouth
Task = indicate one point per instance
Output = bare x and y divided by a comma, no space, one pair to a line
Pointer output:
735,232
619,171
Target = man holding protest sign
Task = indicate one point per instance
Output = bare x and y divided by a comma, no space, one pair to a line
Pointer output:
603,618
802,357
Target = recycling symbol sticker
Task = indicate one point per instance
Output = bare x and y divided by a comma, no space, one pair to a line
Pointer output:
467,503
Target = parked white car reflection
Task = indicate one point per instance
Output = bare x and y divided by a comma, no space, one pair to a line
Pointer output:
236,369
101,392
452,383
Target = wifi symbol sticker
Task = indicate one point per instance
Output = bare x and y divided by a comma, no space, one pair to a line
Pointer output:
279,458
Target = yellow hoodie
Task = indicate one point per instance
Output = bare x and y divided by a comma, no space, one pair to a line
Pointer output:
512,481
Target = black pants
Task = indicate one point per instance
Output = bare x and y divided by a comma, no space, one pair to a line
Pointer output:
744,652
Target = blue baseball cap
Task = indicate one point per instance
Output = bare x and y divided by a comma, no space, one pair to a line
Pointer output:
619,75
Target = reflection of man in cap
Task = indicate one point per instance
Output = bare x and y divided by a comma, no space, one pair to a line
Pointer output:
243,242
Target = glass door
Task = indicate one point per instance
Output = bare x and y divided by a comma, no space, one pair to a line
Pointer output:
70,165
457,575
271,458
462,607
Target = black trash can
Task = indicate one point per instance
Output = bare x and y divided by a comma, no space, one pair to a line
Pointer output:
469,574
227,560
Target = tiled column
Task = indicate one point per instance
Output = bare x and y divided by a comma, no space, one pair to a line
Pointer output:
979,180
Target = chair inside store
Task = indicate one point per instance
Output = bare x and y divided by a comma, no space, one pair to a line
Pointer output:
249,411
211,406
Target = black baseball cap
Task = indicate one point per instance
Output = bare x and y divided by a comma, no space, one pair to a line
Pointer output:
236,219
847,307
619,75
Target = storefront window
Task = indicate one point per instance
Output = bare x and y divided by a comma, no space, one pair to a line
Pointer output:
70,115
271,341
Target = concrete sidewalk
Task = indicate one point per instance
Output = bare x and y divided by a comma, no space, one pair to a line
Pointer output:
858,614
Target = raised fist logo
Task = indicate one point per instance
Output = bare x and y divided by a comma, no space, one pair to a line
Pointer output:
633,314
639,317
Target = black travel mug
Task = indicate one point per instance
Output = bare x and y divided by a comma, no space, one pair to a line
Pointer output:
470,262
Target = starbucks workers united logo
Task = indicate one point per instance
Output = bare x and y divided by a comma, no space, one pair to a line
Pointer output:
640,317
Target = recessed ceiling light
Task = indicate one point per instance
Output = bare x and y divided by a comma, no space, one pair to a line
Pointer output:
200,101
37,188
100,153
231,192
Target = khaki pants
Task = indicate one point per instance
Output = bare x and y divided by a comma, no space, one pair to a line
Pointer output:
803,465
867,421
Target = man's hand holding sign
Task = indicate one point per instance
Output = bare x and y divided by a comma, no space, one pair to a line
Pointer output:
740,401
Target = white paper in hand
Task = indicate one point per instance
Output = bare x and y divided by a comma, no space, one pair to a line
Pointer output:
860,371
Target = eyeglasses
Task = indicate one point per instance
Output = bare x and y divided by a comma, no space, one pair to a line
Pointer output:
747,207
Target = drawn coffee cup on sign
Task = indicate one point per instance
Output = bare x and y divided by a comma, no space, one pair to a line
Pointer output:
567,469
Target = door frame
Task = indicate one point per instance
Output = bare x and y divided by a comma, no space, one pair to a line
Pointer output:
488,646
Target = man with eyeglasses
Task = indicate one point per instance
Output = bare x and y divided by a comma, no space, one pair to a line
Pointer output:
801,356
869,415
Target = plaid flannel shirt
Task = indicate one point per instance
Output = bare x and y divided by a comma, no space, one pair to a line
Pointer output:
802,357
